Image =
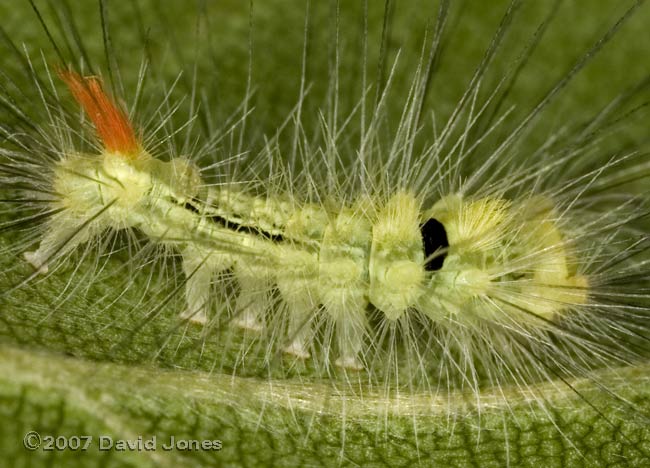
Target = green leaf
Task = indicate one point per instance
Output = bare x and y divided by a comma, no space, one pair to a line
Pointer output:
95,366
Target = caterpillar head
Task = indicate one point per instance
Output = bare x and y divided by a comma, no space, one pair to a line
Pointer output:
491,250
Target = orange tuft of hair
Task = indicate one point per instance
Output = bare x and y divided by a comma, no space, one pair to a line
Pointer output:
111,123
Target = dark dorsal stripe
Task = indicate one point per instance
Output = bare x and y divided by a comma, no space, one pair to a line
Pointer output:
434,238
224,222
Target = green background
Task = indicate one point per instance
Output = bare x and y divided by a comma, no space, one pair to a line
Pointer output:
94,366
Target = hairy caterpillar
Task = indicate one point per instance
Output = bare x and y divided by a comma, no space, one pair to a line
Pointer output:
422,268
460,260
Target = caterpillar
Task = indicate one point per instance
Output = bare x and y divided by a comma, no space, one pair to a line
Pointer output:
436,261
447,260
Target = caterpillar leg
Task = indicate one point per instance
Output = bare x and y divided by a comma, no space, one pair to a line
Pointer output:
61,237
343,279
199,268
37,260
299,329
253,299
345,303
350,329
298,287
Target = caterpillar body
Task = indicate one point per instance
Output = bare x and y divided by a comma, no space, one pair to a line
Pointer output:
443,261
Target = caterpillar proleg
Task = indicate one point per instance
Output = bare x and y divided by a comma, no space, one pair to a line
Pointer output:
398,254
